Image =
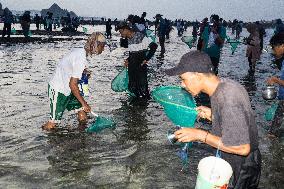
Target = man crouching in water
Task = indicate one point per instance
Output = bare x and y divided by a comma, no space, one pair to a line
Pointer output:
63,89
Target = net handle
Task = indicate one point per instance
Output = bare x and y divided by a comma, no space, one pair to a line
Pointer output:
80,109
94,114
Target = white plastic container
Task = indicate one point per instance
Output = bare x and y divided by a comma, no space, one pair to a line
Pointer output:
213,172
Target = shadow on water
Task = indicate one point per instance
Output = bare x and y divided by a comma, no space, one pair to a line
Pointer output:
135,125
69,159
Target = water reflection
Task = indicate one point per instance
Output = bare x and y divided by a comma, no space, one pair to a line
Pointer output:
249,83
69,158
135,125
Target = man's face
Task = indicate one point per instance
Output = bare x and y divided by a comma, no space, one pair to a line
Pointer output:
123,33
278,51
191,82
101,47
98,48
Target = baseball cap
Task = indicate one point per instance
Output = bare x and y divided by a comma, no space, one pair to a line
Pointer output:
158,15
193,61
122,25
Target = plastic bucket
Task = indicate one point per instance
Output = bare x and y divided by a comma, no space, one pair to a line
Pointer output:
213,172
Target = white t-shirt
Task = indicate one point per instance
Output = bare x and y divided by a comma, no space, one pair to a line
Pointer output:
71,65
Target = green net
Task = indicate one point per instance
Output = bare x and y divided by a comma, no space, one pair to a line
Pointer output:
189,40
30,33
85,30
233,43
151,34
178,104
120,82
270,112
100,124
13,31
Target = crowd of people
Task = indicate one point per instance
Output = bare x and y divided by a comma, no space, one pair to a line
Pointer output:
234,130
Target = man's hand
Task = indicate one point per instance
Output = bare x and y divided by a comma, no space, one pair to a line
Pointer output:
144,62
190,134
126,63
86,107
272,80
204,112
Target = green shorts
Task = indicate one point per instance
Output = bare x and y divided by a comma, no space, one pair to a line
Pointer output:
59,103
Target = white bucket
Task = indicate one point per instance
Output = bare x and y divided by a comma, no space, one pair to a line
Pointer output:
214,173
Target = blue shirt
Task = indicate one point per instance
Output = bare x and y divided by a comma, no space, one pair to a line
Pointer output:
281,87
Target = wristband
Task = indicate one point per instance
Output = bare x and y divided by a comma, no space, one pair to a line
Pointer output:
206,136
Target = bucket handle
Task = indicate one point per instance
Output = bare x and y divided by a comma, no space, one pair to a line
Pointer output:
218,152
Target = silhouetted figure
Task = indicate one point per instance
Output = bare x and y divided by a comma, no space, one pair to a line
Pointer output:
25,23
49,21
108,29
8,20
37,21
262,33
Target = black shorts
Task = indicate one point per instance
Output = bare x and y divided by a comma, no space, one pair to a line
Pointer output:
246,170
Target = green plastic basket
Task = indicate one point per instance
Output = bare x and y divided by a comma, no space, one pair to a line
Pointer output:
178,104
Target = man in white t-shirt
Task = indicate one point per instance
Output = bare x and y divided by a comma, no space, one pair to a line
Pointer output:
63,90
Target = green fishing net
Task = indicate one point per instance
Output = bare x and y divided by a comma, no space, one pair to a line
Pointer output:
189,40
85,30
178,104
30,33
100,124
151,34
233,43
13,31
270,112
120,82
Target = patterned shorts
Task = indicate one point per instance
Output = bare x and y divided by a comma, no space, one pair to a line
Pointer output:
59,103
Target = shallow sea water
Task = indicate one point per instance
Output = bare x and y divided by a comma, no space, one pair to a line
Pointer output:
136,154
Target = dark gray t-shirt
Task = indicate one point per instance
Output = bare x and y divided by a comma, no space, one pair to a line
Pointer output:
232,116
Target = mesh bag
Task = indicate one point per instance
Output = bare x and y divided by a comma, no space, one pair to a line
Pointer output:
270,112
189,40
234,44
178,104
85,30
13,31
150,34
120,82
100,124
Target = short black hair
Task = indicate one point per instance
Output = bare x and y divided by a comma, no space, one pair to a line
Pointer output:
277,39
123,25
215,17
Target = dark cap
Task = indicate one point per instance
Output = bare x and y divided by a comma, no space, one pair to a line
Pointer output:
194,61
158,15
122,25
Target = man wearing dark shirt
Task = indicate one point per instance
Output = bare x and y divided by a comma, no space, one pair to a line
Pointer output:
138,59
234,129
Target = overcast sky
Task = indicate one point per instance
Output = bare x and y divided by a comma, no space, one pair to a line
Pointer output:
247,10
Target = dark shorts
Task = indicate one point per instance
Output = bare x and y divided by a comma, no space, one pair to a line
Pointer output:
246,170
277,127
215,62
